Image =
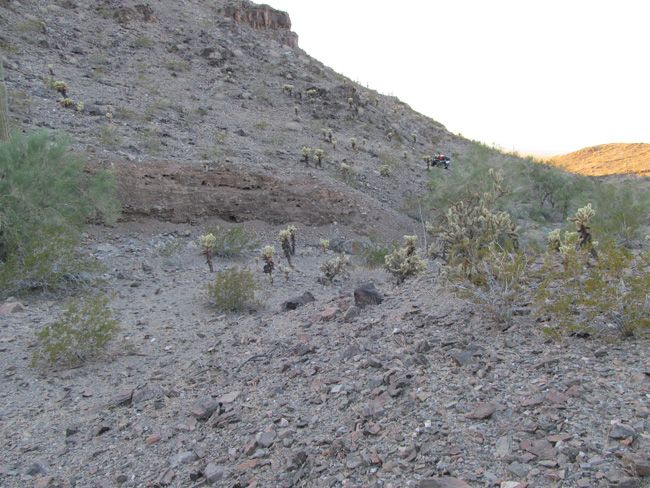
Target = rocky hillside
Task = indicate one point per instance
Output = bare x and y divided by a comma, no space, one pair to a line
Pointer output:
607,159
213,87
202,108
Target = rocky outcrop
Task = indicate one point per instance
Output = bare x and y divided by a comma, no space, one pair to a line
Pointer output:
263,17
187,192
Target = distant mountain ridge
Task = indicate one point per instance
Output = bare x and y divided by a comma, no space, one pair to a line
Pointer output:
607,159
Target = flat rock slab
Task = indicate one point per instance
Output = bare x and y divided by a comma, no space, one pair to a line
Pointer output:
443,482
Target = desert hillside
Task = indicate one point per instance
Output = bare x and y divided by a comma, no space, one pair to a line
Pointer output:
607,159
291,352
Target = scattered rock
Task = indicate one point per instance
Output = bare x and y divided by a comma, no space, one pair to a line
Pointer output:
185,457
482,411
213,473
265,439
366,295
351,313
11,307
294,303
620,431
203,409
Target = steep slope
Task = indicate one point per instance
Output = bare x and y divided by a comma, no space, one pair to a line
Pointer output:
607,159
211,83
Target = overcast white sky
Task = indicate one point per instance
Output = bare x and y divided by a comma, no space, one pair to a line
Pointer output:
543,77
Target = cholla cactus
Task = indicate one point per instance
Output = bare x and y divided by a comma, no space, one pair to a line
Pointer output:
285,241
267,257
208,242
306,152
390,136
335,267
296,110
353,143
346,170
414,136
351,102
288,89
324,244
292,237
581,220
318,154
554,240
67,102
405,155
405,261
427,160
311,93
61,87
384,170
109,113
334,142
327,135
80,107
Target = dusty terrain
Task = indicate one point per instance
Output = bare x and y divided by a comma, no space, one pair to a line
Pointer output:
421,390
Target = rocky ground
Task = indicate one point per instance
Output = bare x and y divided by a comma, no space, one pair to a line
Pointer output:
419,390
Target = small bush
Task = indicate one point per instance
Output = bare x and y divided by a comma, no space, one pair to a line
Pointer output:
384,170
82,331
405,261
233,289
334,267
231,242
374,255
503,280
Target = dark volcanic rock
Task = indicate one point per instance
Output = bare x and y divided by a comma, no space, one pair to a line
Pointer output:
367,294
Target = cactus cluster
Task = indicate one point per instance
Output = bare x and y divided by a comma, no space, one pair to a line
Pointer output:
335,267
327,135
288,89
405,261
471,227
324,244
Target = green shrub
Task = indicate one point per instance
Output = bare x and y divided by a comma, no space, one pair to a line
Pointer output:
82,331
405,261
46,199
231,242
608,288
588,294
233,289
374,255
501,287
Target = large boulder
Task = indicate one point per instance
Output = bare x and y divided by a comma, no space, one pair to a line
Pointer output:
367,294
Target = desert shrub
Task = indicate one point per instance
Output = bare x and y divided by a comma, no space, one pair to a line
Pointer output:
374,255
269,265
471,228
584,290
502,286
82,331
405,261
384,170
622,210
231,242
335,267
46,199
233,289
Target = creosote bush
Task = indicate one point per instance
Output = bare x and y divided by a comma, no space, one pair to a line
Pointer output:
82,331
46,199
405,261
233,289
335,267
593,291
